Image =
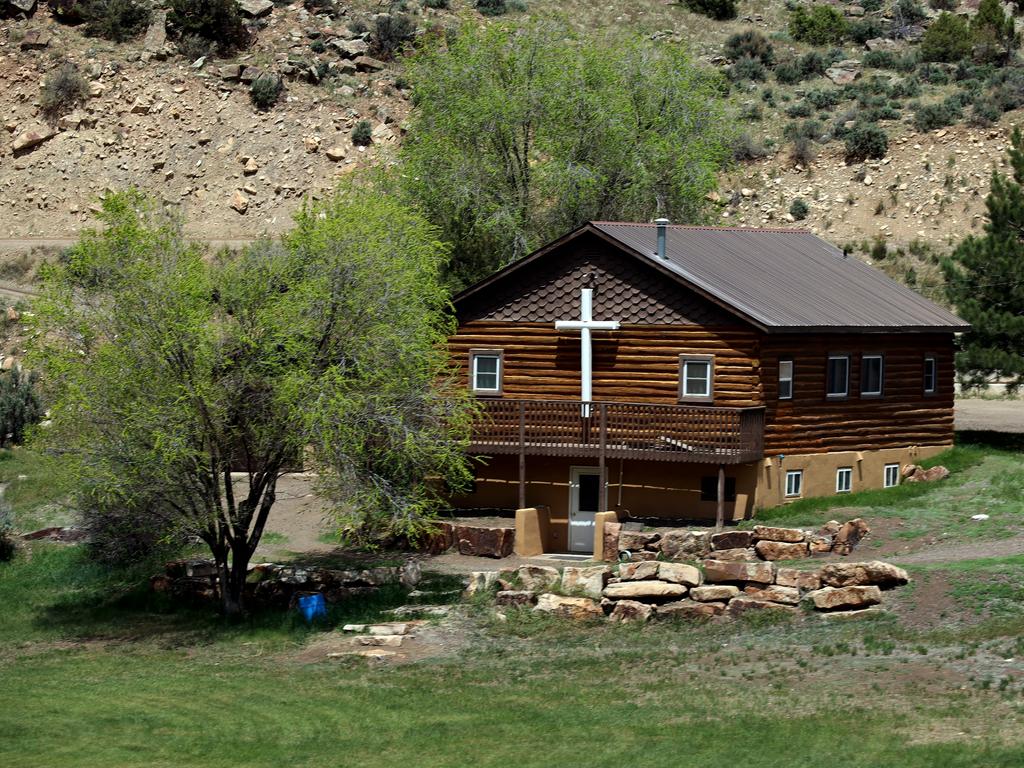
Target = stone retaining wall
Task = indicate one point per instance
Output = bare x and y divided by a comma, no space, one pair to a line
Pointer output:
718,588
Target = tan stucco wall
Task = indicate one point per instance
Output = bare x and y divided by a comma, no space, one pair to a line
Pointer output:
820,471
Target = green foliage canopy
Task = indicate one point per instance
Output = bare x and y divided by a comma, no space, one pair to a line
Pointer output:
166,371
520,135
947,39
985,282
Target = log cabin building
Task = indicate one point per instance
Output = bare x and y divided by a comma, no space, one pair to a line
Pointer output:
677,372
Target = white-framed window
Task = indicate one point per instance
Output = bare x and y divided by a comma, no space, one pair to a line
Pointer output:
930,375
785,379
485,371
872,375
844,479
837,376
892,475
794,482
696,378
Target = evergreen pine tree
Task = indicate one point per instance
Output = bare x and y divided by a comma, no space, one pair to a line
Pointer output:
994,33
985,282
19,405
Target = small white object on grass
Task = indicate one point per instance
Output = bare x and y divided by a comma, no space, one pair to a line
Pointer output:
979,517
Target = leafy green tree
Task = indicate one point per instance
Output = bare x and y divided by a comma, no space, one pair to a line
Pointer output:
522,134
821,25
20,407
985,282
947,39
168,372
994,35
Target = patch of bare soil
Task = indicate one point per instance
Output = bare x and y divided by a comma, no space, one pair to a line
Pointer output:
926,604
968,550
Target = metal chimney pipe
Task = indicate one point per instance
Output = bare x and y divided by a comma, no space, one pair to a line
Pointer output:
662,224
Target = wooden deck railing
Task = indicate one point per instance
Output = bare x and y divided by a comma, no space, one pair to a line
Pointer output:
620,430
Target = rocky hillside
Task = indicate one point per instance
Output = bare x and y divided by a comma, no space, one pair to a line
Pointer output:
189,132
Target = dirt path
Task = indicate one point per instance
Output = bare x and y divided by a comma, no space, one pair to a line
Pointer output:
28,243
970,550
995,415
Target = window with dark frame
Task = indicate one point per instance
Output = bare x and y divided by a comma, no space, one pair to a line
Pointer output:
872,376
709,488
785,379
930,376
696,378
838,376
485,373
794,482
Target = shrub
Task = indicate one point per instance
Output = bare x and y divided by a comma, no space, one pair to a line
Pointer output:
715,9
813,63
947,39
798,209
362,134
863,30
6,527
748,148
933,73
747,68
1009,89
908,61
825,98
265,91
218,22
908,12
932,116
994,33
390,34
117,20
752,45
812,130
907,88
751,113
789,73
802,151
492,7
944,5
63,90
880,60
318,46
866,141
437,4
822,25
800,109
985,111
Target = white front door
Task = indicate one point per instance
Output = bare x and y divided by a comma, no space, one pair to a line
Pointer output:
584,499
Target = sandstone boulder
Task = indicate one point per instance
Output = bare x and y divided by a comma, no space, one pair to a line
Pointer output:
610,542
514,597
32,138
781,550
844,598
774,593
368,64
480,541
335,153
849,535
35,40
255,8
631,610
480,581
538,578
635,541
772,533
644,590
689,609
819,545
676,545
570,607
744,604
239,202
646,569
717,571
859,574
680,573
587,581
736,555
732,540
791,577
714,592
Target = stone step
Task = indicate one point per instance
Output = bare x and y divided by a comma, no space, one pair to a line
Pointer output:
420,610
386,641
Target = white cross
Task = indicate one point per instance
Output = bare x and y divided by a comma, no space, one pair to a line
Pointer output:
585,325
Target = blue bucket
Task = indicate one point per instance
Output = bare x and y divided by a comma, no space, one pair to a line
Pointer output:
312,607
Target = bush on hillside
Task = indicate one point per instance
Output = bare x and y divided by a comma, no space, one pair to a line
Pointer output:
802,152
800,109
813,63
751,113
866,141
789,73
908,88
362,134
390,34
750,44
265,91
985,112
821,25
825,98
947,39
880,60
798,209
492,7
20,407
865,29
747,68
944,5
63,90
748,148
994,33
6,533
437,4
117,20
217,21
932,116
719,10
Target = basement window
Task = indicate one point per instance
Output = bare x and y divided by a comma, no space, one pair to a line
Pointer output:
785,379
838,376
709,489
892,475
485,371
794,483
844,479
696,378
930,376
872,375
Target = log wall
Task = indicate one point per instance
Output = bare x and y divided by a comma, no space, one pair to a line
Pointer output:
903,416
638,364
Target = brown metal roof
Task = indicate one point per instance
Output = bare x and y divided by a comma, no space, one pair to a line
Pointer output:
778,279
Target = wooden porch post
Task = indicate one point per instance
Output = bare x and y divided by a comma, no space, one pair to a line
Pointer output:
720,513
603,498
522,456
